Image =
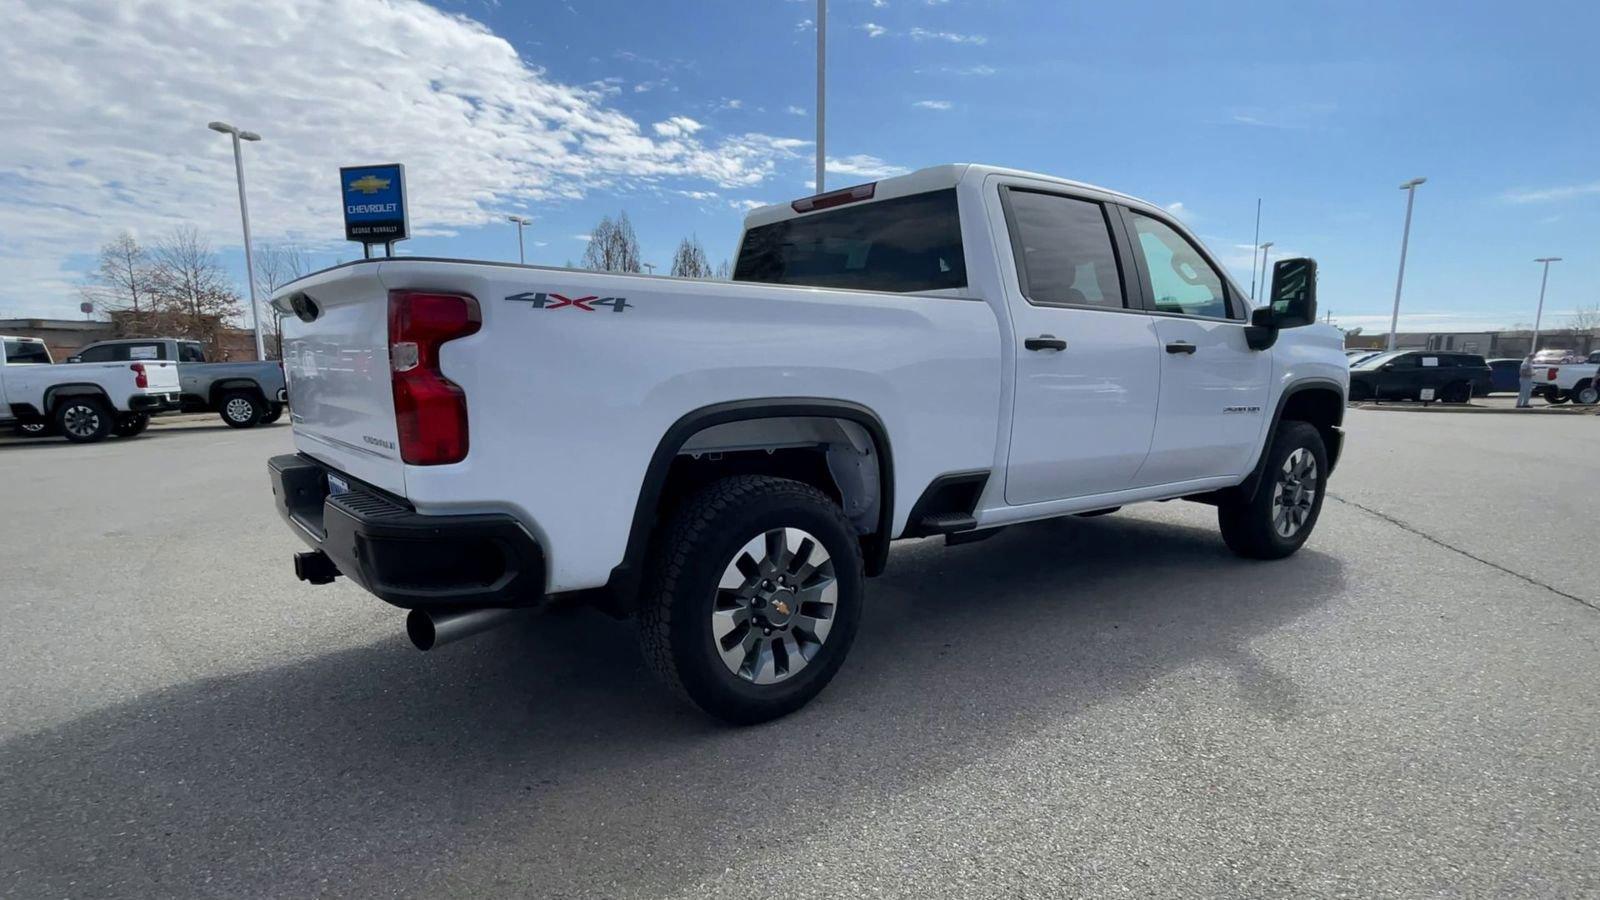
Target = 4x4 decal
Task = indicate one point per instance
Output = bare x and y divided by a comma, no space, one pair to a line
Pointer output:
542,300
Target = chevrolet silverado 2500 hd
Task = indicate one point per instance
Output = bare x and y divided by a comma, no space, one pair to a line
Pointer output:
85,403
942,353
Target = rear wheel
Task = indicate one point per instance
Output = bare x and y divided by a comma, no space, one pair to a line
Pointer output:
242,409
1586,393
132,424
1279,518
1556,398
757,593
1459,392
84,420
274,412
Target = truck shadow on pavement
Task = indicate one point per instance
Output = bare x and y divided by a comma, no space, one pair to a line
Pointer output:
543,759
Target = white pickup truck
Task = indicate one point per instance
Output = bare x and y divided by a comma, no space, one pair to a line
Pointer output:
947,352
82,403
1575,381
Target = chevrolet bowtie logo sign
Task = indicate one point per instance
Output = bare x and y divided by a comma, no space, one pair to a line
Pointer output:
369,184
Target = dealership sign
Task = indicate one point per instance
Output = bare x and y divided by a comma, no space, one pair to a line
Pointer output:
375,203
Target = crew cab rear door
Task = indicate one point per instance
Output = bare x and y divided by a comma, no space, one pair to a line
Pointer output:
1086,360
1213,408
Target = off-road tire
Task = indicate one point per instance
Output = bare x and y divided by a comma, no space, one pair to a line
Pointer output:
1248,525
704,535
241,409
90,418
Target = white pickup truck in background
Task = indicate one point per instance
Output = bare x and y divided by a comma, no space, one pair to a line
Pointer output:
943,353
82,403
1575,381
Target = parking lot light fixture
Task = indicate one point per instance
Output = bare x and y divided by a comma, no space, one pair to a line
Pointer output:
1410,188
239,134
1538,317
521,222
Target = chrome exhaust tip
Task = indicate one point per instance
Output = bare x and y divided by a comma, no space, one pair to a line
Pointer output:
429,629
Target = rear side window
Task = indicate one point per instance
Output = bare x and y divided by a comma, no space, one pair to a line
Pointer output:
191,352
902,245
102,353
26,353
1064,250
142,351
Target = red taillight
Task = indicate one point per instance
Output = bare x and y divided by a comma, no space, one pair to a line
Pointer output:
430,411
835,198
140,380
1551,375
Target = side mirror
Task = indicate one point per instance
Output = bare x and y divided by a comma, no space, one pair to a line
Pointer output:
1294,292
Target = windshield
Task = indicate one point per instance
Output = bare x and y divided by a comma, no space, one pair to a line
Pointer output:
905,244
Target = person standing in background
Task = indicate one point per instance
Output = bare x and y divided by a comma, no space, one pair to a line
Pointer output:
1525,382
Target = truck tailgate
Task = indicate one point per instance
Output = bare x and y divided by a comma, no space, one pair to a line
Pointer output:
337,367
161,375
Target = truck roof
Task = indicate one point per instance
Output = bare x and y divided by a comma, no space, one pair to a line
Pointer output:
932,178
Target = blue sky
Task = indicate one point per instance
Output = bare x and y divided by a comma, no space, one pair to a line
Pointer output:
688,111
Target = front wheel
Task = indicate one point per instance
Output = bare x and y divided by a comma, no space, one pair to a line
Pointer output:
242,409
757,591
1587,394
132,424
1278,519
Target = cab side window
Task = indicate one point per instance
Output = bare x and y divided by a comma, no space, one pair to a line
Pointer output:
1181,281
191,352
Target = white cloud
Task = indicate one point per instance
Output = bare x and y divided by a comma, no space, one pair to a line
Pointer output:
863,166
1181,212
1545,195
879,4
805,25
795,110
923,34
874,30
698,195
677,126
580,237
747,205
932,104
106,103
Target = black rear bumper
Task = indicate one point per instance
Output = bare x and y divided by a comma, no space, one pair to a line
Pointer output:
407,559
154,402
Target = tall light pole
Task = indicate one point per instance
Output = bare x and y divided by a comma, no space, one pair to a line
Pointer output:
1410,188
822,90
1265,249
244,215
1538,317
521,222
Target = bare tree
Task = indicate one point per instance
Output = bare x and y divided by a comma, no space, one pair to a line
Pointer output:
612,246
690,260
121,282
276,266
724,272
193,293
1586,318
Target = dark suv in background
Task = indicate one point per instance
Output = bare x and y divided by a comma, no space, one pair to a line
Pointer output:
1420,375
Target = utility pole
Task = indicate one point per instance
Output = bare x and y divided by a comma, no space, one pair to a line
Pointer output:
1410,188
1255,243
822,90
244,215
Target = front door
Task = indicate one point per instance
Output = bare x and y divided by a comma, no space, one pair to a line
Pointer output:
1087,369
1213,386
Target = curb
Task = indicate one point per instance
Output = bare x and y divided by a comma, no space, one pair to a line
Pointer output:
1480,410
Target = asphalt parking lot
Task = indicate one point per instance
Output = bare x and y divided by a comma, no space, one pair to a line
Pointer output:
1112,706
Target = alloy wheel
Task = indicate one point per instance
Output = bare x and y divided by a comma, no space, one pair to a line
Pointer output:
239,409
1295,493
81,421
774,606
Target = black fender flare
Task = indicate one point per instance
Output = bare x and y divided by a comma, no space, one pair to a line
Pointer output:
223,386
1247,488
72,389
626,575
